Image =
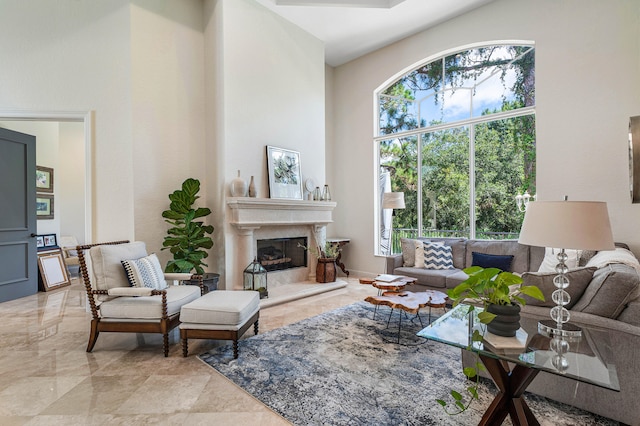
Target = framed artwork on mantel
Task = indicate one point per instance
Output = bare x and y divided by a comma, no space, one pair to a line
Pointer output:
285,179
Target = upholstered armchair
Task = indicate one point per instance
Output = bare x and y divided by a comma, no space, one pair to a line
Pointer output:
128,293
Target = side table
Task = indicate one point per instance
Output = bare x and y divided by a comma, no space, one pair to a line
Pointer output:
341,242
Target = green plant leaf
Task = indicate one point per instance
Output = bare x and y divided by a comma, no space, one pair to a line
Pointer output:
486,317
532,291
469,372
473,390
456,395
441,402
460,405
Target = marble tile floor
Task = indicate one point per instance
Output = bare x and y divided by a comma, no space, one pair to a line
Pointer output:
47,377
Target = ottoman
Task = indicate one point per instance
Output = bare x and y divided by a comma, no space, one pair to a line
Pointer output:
223,315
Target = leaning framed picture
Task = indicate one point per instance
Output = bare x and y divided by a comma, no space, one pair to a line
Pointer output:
52,269
44,179
44,206
285,180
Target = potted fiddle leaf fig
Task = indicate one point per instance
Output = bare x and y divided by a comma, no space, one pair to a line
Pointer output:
187,239
499,293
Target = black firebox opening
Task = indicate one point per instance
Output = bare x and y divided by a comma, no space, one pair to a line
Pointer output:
277,254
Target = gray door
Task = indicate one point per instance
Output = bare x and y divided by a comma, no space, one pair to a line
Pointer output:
18,258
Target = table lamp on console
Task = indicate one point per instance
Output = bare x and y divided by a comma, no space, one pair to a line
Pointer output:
581,225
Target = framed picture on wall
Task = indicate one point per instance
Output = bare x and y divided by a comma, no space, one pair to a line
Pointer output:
44,206
285,180
44,179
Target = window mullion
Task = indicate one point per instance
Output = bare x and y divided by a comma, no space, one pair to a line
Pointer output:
472,182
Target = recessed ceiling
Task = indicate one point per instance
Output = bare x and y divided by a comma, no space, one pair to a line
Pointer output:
352,28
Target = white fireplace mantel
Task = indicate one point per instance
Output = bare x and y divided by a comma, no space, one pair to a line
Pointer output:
247,215
256,212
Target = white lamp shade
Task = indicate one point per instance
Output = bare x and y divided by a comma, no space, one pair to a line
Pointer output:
393,200
567,224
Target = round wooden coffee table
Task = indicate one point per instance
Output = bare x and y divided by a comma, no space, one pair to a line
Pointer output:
393,286
410,302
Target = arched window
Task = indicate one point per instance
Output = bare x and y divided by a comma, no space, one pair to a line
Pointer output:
457,136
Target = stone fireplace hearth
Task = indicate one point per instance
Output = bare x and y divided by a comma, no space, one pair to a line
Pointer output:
266,218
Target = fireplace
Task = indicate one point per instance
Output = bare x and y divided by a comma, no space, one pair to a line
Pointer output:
276,254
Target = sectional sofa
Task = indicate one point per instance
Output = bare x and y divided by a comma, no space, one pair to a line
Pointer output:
605,290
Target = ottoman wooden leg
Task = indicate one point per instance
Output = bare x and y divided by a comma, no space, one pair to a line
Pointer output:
183,335
255,327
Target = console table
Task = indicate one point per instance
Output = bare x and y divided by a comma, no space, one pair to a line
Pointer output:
589,360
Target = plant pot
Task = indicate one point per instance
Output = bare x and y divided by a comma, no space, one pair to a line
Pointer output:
507,320
209,279
326,270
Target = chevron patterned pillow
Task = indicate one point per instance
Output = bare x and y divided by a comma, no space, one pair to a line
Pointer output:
437,256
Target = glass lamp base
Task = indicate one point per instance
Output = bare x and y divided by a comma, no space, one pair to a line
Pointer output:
549,328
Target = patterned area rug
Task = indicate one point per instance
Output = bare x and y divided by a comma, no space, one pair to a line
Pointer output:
344,368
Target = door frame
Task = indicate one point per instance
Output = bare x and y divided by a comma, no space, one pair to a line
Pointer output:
86,117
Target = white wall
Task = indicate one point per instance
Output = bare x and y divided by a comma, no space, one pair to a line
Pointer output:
268,90
587,87
74,55
168,110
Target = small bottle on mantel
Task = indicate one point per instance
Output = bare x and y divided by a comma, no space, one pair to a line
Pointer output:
326,195
252,188
316,194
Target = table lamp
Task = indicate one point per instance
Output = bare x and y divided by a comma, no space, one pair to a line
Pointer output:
581,225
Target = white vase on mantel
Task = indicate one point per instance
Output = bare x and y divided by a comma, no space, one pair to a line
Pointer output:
238,187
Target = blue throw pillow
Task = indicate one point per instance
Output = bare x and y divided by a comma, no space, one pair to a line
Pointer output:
502,262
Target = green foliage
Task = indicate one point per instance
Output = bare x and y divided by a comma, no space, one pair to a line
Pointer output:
492,286
330,250
505,150
188,237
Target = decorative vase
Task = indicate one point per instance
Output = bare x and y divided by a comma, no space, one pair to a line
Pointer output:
252,188
326,195
507,320
316,194
238,187
326,270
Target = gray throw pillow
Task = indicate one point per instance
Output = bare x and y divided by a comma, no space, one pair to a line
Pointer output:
579,280
408,247
610,290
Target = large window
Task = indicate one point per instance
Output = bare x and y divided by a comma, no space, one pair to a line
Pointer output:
457,136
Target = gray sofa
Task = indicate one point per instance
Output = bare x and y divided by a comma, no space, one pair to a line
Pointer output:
609,303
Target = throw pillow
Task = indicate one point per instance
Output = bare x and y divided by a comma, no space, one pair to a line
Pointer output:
611,288
502,262
579,280
408,247
145,272
437,256
551,259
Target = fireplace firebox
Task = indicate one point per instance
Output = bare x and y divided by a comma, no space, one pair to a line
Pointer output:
278,254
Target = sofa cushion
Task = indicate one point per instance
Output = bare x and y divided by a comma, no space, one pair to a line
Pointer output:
579,279
631,314
106,267
520,252
145,272
437,256
454,279
608,293
430,277
502,262
149,307
551,259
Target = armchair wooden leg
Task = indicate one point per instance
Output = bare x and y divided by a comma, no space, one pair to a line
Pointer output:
255,328
235,348
94,334
185,349
165,342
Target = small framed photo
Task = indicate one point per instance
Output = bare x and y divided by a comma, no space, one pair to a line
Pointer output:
50,240
44,179
285,180
53,271
40,241
44,206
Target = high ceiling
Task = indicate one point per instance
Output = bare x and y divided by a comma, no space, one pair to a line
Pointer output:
352,28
